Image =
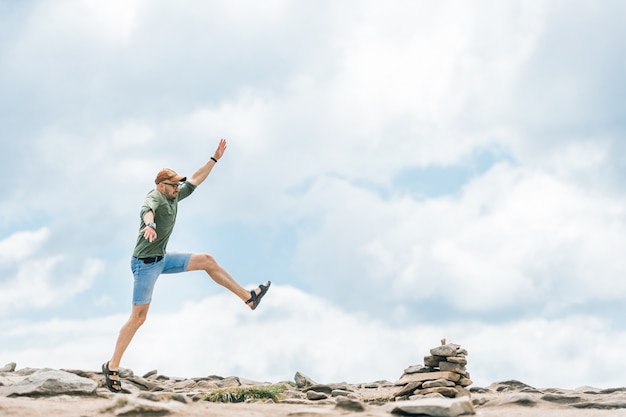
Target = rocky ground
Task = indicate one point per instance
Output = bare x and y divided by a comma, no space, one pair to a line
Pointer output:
35,392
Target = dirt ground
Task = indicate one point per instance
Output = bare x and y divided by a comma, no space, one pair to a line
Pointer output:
115,406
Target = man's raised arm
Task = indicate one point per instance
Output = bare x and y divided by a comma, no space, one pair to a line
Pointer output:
203,172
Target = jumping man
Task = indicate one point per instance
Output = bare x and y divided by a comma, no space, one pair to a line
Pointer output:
150,259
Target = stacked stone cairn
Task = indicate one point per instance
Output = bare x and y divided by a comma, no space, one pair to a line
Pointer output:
444,373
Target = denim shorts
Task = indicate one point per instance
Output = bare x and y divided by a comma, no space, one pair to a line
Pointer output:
146,274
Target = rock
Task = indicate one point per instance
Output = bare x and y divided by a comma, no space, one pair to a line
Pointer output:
26,371
431,376
303,381
349,404
408,389
433,361
150,373
9,367
465,382
445,391
438,383
326,389
561,399
185,385
452,367
612,390
142,384
129,406
316,395
47,382
340,393
163,397
229,382
609,405
461,360
414,369
510,385
207,385
462,392
525,400
446,350
436,407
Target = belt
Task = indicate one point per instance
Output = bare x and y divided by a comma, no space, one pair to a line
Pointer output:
151,259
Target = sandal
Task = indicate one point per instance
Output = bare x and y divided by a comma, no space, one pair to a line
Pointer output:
114,385
255,298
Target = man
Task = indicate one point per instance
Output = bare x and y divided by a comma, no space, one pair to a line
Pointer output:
150,259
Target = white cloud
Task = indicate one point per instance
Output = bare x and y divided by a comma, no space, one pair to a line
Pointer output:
36,280
513,237
22,244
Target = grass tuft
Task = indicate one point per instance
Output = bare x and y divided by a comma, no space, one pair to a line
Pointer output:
239,395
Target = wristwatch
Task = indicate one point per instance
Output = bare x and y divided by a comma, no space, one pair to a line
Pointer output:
152,225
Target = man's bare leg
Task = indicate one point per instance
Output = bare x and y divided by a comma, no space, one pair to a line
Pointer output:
219,275
137,317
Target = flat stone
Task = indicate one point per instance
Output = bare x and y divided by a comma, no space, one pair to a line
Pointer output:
142,384
525,400
130,406
206,385
445,391
164,397
438,383
326,389
445,350
462,392
465,382
431,376
436,407
510,385
452,367
9,367
49,382
340,393
151,373
408,389
461,360
561,399
608,405
316,395
613,390
349,404
186,384
432,361
303,381
229,382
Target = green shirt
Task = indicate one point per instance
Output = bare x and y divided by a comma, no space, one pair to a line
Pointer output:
164,211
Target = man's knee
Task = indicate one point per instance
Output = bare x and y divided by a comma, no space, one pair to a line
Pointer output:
208,262
139,315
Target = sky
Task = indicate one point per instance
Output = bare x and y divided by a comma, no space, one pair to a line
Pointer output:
402,171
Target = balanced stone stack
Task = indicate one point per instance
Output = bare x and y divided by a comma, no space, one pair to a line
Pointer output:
443,373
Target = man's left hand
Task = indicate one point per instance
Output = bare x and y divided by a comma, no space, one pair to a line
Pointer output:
219,152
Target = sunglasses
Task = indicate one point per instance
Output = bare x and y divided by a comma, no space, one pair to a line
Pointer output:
177,185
